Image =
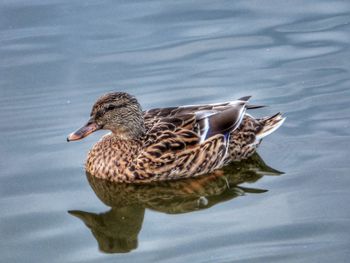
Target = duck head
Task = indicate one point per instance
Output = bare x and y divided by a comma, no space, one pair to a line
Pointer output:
118,112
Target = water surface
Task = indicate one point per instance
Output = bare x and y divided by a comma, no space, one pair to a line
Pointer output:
58,56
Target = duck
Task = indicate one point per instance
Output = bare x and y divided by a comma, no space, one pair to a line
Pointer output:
170,143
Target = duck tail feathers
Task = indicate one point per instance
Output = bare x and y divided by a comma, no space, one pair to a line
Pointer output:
251,106
270,124
245,98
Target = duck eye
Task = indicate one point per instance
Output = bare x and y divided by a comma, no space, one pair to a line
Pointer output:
110,107
113,107
104,110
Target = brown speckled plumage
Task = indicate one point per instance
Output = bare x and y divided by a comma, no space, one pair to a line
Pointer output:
170,143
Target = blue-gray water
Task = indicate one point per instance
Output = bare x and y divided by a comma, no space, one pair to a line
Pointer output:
57,57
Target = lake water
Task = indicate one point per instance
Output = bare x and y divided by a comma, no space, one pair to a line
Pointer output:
58,56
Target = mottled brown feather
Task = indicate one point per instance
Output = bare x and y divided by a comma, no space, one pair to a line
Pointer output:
176,143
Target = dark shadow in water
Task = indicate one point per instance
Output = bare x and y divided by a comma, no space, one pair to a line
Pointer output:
117,229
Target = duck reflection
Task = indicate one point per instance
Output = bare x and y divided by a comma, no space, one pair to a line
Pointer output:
116,230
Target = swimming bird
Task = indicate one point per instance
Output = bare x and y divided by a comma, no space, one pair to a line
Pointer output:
170,143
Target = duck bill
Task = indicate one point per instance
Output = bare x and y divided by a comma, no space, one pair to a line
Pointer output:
84,131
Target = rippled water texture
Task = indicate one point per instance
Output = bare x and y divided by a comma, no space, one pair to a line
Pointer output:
58,56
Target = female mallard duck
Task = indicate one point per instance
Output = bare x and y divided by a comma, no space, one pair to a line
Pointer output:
169,143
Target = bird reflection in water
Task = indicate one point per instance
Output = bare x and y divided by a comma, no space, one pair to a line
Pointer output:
117,229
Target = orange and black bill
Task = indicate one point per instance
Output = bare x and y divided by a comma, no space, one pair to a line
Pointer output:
84,131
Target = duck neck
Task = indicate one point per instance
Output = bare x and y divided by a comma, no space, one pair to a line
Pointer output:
133,130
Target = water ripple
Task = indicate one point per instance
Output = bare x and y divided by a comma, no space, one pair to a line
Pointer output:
57,57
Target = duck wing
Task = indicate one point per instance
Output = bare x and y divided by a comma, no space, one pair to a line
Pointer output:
187,143
213,122
181,110
204,120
